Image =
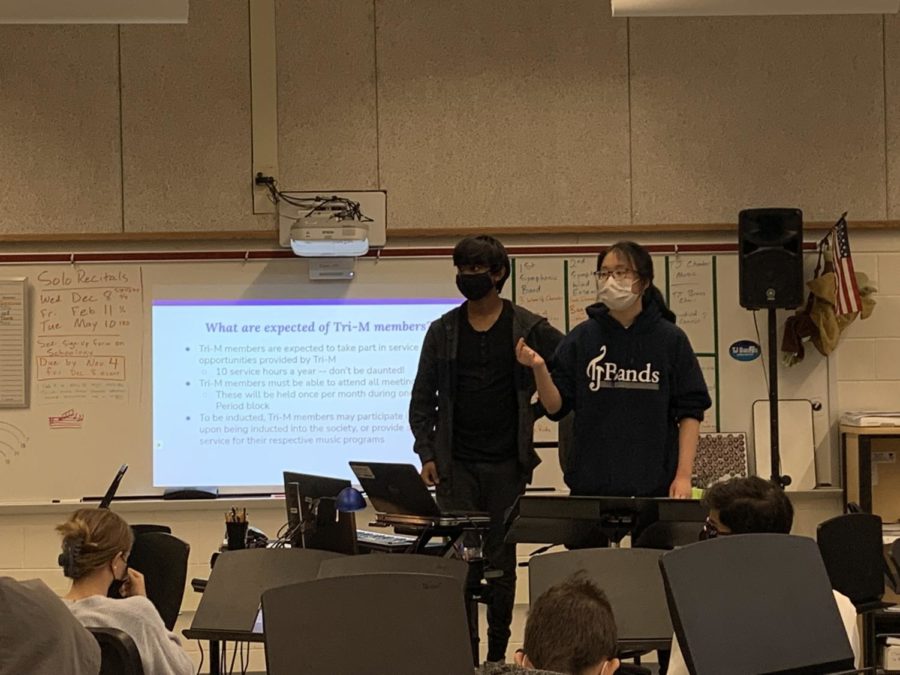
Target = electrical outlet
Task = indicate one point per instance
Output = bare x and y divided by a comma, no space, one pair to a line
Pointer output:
262,198
884,457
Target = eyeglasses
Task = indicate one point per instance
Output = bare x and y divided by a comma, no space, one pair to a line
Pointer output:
709,531
619,274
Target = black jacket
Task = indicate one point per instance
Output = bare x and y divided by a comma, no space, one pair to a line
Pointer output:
629,388
434,390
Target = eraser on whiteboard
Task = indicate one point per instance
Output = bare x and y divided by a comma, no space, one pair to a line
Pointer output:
191,493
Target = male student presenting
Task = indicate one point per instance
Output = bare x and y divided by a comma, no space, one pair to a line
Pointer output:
471,411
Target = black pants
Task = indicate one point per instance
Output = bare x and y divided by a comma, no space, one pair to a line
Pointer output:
492,487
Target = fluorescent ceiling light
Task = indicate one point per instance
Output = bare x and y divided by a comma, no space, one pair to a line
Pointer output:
750,7
93,11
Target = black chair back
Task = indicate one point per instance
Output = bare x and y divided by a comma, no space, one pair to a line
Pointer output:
118,653
401,624
144,528
162,559
895,554
852,549
893,569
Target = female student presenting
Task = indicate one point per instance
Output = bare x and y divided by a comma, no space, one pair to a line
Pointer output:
636,387
95,548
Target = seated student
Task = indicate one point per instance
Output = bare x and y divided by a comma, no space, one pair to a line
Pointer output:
39,636
570,629
753,506
95,548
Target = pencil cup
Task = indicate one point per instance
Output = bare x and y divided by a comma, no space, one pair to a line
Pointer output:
236,534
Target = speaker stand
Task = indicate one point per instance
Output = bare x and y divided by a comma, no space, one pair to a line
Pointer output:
777,478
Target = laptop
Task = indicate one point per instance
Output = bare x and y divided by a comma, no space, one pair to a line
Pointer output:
397,490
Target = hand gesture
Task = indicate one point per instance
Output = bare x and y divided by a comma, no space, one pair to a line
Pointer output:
527,356
133,584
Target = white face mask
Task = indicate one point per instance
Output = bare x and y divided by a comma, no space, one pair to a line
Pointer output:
617,295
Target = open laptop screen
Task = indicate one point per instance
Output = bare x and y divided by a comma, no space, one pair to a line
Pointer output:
395,488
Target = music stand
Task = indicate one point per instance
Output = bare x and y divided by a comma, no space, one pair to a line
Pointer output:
454,530
230,604
633,585
755,603
571,520
403,624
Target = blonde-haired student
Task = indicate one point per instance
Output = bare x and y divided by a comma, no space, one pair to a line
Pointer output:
96,544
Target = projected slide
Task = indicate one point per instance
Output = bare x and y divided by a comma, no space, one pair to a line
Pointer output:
245,389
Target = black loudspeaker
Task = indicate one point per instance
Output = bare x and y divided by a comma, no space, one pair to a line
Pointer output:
770,249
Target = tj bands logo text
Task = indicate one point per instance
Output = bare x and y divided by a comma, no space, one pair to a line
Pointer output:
603,374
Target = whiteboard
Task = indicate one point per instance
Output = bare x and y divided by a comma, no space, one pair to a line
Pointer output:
91,397
90,361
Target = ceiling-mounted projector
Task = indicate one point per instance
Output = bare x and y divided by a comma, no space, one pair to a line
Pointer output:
750,7
341,241
332,225
93,11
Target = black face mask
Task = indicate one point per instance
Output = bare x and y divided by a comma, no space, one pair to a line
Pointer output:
474,286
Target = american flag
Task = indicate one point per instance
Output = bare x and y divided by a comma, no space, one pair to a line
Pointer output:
846,292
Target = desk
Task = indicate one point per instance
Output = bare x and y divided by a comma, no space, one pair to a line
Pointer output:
856,464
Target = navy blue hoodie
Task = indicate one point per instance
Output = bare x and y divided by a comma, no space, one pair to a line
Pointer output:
629,388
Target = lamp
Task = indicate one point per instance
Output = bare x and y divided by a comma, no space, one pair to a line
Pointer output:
349,500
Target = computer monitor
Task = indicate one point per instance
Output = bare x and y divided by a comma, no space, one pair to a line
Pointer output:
313,519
